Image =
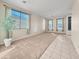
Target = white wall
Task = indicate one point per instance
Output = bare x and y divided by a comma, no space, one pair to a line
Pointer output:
36,24
46,25
75,25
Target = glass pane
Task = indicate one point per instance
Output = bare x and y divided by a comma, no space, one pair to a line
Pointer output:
24,20
69,23
59,25
16,17
50,25
15,13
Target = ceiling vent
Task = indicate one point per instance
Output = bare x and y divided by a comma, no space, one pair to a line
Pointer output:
24,1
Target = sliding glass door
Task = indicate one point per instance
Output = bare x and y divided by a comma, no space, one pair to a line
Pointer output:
60,25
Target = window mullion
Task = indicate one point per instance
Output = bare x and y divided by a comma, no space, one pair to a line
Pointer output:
20,21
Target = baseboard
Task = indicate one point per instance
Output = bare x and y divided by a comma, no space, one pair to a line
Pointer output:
27,36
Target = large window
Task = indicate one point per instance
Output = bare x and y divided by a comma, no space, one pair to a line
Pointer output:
21,19
50,25
69,23
59,24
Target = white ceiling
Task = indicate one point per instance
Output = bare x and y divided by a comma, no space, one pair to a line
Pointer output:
46,8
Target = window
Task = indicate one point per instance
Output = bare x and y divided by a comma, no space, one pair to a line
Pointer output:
59,24
69,23
50,25
21,19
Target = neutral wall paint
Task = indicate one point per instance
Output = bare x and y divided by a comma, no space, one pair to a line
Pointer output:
36,24
75,25
46,25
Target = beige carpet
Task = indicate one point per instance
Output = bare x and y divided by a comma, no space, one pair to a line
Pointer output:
43,46
30,48
61,48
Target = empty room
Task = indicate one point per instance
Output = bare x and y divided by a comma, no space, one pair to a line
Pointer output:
39,29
